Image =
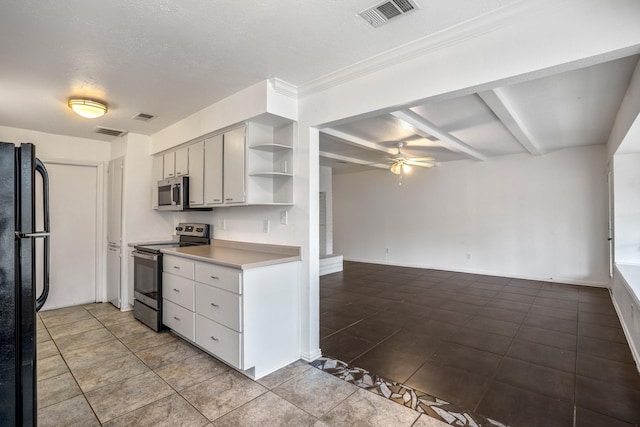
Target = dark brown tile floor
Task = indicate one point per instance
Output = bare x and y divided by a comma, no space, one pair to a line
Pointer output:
525,353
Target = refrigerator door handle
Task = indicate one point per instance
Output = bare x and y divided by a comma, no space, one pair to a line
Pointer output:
35,235
39,167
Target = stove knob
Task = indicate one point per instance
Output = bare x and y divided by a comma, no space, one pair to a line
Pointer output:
178,228
199,230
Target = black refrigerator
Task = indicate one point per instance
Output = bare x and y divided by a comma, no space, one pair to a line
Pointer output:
19,170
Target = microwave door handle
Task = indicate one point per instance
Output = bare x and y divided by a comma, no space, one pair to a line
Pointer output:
40,168
175,194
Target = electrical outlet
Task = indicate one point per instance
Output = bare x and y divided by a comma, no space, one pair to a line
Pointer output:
284,217
386,250
266,225
222,224
469,256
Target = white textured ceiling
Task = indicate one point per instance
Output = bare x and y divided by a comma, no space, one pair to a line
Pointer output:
172,58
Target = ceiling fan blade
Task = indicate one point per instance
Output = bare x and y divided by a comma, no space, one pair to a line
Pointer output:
419,159
421,164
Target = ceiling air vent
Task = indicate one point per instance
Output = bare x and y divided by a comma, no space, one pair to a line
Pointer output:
109,132
388,10
143,117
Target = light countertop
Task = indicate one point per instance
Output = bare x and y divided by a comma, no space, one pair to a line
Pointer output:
242,255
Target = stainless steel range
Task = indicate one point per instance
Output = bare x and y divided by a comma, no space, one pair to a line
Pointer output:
147,283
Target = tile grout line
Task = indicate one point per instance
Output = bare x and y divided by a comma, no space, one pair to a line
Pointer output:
493,377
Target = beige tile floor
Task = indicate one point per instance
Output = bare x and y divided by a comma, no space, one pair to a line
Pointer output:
99,366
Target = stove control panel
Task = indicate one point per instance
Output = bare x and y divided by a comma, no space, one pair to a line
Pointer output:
193,229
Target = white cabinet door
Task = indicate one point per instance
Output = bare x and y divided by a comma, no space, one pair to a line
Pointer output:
196,174
234,146
156,175
114,208
169,165
182,161
113,275
213,171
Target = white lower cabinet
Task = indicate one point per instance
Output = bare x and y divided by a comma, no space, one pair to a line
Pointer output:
179,319
222,342
246,318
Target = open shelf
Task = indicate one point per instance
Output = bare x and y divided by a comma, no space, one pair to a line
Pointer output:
271,148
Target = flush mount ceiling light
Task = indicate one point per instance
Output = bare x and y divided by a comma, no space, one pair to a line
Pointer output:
87,108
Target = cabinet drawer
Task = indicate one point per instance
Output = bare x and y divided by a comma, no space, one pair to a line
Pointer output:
179,319
222,277
178,290
219,340
178,266
222,306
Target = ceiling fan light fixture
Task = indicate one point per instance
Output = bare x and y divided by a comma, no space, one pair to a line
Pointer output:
406,168
396,168
88,108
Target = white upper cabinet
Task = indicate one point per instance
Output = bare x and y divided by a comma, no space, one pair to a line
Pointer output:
169,165
196,174
233,166
213,170
248,165
182,161
157,174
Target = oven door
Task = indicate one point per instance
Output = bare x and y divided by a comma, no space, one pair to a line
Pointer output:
147,274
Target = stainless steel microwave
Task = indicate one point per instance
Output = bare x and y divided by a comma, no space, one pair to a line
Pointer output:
173,194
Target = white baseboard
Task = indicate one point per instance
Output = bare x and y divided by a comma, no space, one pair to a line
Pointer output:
310,357
568,281
330,264
627,333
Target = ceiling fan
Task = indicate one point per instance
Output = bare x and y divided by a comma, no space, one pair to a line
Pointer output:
402,163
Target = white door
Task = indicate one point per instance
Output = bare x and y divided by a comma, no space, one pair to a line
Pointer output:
74,216
114,230
196,174
113,275
234,166
213,170
114,202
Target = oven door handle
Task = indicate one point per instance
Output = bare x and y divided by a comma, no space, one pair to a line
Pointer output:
139,254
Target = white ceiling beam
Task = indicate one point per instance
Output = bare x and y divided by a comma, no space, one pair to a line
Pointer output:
353,160
423,126
499,103
357,142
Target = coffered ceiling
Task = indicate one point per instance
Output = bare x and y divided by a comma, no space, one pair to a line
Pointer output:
575,108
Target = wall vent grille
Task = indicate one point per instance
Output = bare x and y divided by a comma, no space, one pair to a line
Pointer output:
109,132
383,12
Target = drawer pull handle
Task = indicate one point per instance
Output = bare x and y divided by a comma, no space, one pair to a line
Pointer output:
176,267
229,199
177,318
176,290
215,277
215,305
216,200
214,338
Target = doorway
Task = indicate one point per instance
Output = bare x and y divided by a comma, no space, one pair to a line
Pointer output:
74,198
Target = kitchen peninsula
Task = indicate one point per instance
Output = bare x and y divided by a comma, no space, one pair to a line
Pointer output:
238,301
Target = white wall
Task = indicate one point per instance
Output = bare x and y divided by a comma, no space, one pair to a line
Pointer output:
59,147
627,207
326,186
620,139
520,216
